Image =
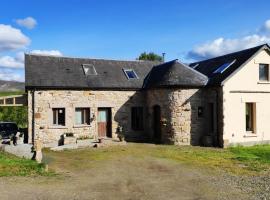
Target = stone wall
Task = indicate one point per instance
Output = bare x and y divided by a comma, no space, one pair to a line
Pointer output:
179,107
120,103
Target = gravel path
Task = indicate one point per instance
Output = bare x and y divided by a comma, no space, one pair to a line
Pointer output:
127,178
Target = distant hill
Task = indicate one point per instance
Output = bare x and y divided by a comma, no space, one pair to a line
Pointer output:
11,86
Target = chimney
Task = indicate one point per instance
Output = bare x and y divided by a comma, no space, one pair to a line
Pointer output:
163,57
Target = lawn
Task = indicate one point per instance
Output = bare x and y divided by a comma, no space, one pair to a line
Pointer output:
13,166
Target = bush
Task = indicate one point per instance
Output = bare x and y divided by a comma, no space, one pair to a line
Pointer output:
16,114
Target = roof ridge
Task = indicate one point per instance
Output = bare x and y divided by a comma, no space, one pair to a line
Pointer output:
88,58
236,52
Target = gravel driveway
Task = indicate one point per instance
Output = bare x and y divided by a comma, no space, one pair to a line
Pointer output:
129,177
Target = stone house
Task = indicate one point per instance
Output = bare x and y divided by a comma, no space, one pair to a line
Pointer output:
224,99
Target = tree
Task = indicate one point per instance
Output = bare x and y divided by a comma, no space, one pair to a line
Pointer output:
150,56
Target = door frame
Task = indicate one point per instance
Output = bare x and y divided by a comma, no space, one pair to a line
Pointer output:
109,120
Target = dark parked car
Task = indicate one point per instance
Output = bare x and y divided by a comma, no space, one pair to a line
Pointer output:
8,130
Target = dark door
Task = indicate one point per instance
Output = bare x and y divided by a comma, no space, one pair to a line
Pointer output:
157,124
104,122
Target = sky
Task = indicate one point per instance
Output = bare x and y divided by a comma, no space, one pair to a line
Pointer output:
122,29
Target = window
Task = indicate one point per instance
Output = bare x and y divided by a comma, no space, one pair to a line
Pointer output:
89,69
194,66
130,74
223,67
137,118
82,116
250,117
264,72
59,116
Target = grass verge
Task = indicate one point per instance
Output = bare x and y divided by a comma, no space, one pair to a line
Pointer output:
13,166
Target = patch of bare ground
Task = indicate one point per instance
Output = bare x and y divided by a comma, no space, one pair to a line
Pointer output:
122,173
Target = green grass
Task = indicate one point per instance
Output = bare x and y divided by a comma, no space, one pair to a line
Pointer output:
13,166
8,93
256,157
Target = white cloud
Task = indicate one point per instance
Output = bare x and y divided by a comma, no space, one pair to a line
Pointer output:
12,62
47,52
222,45
12,38
28,22
11,75
266,26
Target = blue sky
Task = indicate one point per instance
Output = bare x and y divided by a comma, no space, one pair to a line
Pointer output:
122,29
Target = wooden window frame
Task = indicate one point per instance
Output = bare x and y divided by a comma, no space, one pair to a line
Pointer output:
252,107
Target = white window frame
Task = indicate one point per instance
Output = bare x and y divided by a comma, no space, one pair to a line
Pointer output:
57,123
85,124
268,75
125,71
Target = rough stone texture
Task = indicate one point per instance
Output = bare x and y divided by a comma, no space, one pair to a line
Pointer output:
180,109
120,103
20,150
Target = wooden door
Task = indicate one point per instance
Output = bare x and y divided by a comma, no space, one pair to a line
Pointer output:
104,122
157,124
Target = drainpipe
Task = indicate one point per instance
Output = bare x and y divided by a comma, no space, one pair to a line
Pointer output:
33,115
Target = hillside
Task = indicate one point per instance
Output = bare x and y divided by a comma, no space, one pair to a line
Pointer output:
11,86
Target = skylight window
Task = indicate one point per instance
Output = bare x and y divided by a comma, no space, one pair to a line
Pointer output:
89,69
194,66
130,74
223,67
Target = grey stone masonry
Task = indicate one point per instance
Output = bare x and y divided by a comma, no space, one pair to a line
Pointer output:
179,108
120,103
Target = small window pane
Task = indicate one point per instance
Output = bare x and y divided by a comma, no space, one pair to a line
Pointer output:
82,116
250,117
224,67
263,72
59,116
78,116
130,73
89,69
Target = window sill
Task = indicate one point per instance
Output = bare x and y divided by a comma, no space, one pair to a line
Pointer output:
81,126
263,82
250,134
57,127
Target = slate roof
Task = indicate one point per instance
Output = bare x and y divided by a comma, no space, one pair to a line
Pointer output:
208,67
174,74
51,72
63,72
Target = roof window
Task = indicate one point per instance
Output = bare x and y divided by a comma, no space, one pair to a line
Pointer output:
89,69
130,74
223,67
194,66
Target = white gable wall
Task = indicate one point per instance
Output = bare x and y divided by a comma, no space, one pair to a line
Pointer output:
242,87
